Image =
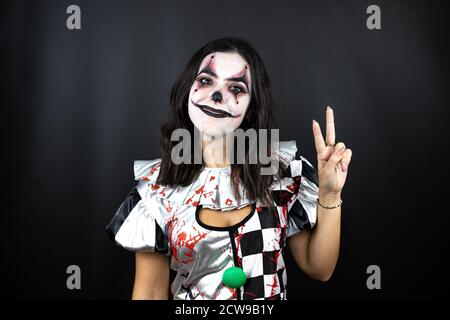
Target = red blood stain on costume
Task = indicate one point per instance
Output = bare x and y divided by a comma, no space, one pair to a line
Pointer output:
292,187
200,292
192,242
274,258
171,223
154,186
154,168
198,191
233,292
152,171
274,285
208,194
184,240
284,197
295,185
168,207
284,212
237,239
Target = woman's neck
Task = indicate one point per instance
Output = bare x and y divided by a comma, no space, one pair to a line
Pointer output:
215,151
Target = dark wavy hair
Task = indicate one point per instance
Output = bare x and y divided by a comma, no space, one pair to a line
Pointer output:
259,115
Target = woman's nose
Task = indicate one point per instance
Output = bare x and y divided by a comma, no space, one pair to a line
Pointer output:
216,96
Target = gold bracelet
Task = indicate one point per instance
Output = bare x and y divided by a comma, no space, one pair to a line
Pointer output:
336,206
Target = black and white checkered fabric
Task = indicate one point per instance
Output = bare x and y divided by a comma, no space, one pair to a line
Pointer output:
260,242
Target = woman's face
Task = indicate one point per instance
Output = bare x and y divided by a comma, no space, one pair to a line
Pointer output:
220,94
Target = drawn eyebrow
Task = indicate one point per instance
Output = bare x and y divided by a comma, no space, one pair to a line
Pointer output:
239,79
211,72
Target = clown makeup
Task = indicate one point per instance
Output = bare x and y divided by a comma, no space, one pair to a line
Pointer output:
220,94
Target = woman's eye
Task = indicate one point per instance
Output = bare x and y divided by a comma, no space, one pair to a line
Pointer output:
237,89
204,81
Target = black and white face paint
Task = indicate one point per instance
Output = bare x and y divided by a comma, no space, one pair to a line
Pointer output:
220,94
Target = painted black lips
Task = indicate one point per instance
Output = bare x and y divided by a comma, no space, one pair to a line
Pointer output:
213,112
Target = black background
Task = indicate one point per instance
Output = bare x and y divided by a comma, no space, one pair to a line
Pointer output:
79,106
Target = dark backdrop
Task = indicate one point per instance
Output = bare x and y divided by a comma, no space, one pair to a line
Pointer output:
79,106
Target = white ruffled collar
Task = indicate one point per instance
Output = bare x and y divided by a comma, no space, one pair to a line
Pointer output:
212,188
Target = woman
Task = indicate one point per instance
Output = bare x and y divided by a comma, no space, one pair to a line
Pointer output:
223,225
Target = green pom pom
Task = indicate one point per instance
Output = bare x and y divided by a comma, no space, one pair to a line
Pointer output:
234,277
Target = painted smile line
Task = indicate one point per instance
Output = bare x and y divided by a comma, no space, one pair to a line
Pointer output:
210,111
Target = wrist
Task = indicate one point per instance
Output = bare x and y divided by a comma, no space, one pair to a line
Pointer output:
329,199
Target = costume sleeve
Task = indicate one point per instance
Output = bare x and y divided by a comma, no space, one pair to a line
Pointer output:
139,224
296,189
